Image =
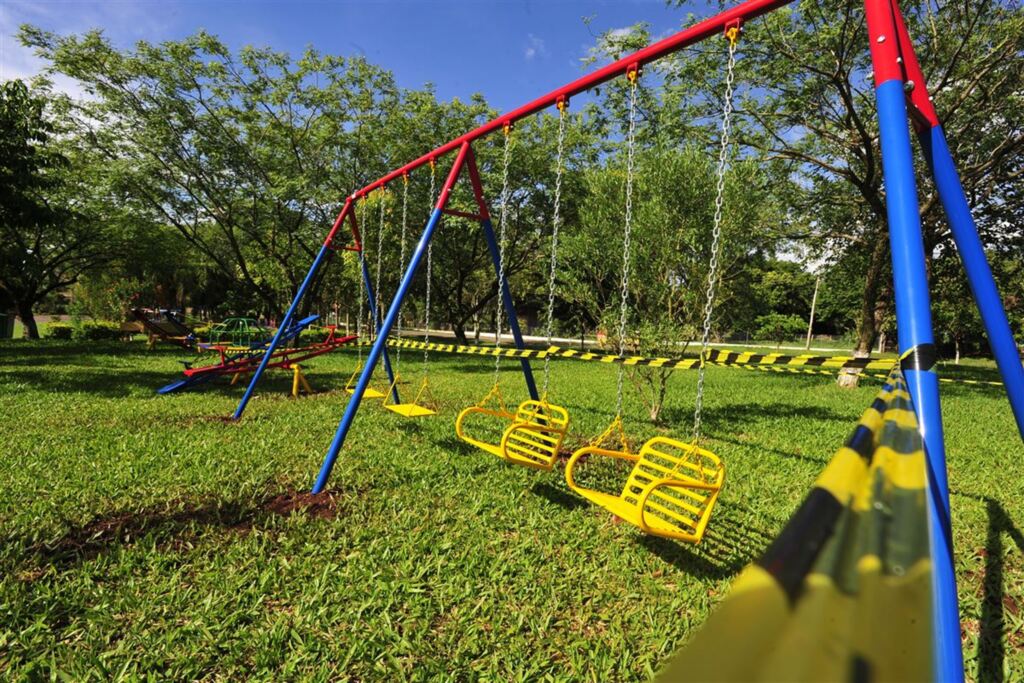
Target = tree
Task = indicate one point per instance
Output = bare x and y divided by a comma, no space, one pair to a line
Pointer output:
245,155
779,327
46,238
673,207
807,99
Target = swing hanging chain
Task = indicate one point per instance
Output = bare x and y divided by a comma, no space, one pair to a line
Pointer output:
359,277
401,260
716,232
556,219
380,251
627,230
430,258
502,222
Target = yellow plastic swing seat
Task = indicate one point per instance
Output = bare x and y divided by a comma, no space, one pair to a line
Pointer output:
670,492
370,392
533,439
415,409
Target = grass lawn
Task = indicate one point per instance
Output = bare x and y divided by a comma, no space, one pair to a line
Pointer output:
141,533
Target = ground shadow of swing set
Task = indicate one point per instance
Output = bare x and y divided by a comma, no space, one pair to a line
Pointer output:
900,93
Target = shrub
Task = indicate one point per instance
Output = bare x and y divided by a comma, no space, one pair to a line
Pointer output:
202,332
97,331
59,331
314,335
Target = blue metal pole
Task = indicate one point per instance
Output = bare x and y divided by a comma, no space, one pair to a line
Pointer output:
376,323
979,274
321,255
510,309
914,324
375,352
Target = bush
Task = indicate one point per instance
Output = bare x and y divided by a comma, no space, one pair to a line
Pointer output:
202,332
315,335
58,331
97,331
779,327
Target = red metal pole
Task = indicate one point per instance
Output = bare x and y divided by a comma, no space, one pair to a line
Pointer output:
711,26
338,221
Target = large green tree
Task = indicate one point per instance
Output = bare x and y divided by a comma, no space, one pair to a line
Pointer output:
807,99
48,235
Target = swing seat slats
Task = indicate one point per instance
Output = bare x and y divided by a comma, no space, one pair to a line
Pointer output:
533,439
670,492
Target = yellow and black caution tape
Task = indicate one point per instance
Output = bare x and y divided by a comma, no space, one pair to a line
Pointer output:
844,592
715,356
762,362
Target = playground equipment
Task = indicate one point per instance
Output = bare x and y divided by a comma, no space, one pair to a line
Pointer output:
423,404
370,392
673,486
165,325
239,362
536,429
246,332
900,90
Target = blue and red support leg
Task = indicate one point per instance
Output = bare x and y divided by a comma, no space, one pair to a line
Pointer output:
914,324
389,321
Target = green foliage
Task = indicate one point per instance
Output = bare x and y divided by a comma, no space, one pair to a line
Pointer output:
105,295
59,330
97,330
779,327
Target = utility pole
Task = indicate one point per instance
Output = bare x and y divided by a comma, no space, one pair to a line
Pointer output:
814,303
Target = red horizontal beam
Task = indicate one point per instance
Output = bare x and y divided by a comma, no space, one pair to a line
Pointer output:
711,26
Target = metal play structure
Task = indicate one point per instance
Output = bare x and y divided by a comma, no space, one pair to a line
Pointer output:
902,100
237,362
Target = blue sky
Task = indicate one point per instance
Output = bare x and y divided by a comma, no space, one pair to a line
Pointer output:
508,51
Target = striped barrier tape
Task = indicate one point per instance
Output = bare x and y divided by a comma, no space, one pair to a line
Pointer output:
762,362
844,591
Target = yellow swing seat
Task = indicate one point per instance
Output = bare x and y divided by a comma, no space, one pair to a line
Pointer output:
350,386
419,406
534,437
670,492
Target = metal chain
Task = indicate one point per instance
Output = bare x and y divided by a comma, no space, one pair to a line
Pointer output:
359,277
556,220
627,233
401,260
430,258
716,233
380,251
502,222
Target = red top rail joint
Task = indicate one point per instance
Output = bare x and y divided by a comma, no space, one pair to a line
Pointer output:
733,29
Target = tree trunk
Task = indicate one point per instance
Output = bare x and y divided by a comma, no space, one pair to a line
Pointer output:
28,319
867,324
459,330
956,342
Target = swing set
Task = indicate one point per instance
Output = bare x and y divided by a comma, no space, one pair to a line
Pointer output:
674,485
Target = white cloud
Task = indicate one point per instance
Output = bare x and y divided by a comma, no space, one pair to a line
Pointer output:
534,47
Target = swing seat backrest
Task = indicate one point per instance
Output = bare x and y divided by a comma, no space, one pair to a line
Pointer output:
674,487
535,436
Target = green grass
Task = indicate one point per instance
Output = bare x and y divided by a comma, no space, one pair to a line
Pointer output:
140,534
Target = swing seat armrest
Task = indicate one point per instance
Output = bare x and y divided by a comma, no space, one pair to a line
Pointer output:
594,450
713,489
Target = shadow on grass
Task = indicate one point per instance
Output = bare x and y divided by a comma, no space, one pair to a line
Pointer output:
722,417
822,461
173,524
728,546
558,496
995,602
